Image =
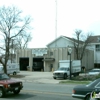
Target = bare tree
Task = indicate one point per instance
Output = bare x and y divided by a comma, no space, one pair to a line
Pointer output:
81,41
12,25
22,41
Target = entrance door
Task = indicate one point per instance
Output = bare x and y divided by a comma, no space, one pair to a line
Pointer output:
38,64
23,62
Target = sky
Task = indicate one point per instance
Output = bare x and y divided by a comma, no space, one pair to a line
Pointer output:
51,19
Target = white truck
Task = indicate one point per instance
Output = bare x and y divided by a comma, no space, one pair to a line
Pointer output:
12,68
64,69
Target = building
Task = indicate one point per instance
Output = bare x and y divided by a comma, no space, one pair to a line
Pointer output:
95,46
47,59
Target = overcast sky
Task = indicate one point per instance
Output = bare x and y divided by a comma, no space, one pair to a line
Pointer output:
71,15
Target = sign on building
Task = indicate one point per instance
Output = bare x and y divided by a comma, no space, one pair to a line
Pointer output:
39,51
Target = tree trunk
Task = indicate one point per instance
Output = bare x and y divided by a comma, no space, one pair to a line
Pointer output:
5,69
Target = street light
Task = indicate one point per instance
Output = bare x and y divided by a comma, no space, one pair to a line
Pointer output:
69,53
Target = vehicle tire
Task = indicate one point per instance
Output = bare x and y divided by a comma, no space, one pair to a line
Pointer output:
1,93
78,74
54,77
88,97
16,91
65,76
14,73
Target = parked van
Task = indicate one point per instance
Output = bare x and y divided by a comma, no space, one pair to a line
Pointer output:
12,68
1,69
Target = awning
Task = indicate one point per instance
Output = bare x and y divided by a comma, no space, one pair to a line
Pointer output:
48,59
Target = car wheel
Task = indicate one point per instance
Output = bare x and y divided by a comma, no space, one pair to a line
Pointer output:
88,97
1,92
16,91
54,77
14,73
65,76
78,74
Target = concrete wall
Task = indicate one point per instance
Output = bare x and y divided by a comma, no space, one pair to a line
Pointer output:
96,53
88,59
62,54
57,54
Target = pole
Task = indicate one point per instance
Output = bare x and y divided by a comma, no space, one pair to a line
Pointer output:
70,66
12,51
56,25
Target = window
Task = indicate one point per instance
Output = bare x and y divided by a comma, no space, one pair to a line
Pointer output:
98,85
3,76
51,53
98,47
51,67
98,39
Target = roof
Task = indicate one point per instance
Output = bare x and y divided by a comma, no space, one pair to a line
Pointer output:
94,39
73,39
64,37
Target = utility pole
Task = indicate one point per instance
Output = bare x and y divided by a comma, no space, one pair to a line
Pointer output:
69,52
12,50
56,24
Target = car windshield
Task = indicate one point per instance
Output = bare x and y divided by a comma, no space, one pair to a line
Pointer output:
95,71
63,69
4,76
93,83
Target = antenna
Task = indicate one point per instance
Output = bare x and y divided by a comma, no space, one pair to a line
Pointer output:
56,25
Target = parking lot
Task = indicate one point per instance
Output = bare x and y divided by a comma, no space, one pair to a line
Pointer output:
37,77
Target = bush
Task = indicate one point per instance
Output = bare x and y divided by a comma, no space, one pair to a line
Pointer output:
86,78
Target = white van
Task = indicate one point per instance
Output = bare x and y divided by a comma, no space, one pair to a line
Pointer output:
12,68
1,69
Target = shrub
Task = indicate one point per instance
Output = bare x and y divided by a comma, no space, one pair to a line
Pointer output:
86,77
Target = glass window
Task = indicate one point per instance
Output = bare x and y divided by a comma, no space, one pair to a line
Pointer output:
64,69
98,85
98,39
91,83
95,71
51,65
97,47
51,53
3,76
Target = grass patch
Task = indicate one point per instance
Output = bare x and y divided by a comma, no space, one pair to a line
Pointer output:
74,82
81,79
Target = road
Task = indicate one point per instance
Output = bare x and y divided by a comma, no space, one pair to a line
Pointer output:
39,91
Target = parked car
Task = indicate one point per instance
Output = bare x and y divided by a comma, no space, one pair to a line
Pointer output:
9,85
94,72
85,92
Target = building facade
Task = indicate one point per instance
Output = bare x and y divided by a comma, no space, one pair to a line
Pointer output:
47,59
95,46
